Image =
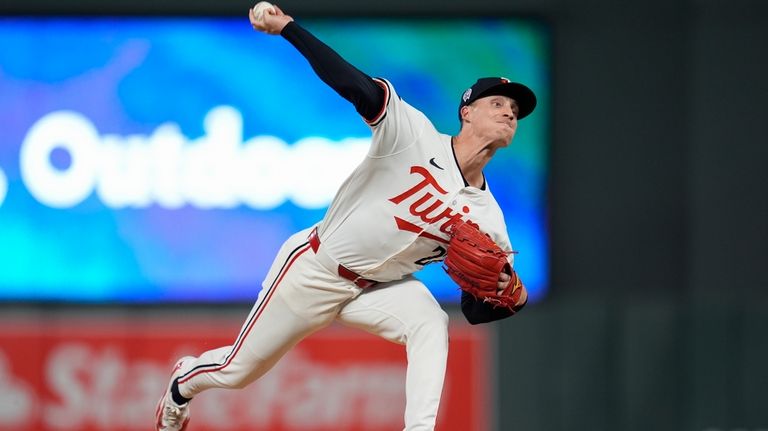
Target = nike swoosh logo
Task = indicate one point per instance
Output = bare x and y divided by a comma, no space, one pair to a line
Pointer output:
432,162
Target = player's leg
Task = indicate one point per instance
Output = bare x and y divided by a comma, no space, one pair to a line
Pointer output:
405,312
299,297
270,331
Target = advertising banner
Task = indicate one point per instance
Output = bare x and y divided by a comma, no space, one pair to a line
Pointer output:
108,373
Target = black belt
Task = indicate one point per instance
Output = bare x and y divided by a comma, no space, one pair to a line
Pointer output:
344,272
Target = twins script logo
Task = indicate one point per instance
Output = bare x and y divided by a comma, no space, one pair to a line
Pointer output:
426,206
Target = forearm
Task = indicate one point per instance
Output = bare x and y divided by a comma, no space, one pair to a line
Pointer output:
476,311
349,82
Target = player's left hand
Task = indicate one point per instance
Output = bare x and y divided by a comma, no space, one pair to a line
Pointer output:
501,286
504,279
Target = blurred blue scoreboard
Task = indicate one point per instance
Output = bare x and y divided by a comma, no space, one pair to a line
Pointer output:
166,159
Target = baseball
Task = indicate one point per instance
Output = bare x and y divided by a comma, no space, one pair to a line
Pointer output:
261,8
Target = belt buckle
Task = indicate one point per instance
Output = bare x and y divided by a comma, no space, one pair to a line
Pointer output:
364,283
314,240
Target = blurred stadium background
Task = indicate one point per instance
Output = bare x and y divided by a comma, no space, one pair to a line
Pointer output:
653,304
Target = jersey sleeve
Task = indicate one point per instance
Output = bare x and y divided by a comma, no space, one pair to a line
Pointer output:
349,82
476,311
397,126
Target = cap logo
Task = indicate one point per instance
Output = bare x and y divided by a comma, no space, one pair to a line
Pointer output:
466,94
505,81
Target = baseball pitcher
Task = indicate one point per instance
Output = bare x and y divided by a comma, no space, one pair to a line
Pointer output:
419,197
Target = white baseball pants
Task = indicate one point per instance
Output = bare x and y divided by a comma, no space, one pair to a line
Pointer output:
300,297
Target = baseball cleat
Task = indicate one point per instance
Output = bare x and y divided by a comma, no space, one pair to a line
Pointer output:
170,416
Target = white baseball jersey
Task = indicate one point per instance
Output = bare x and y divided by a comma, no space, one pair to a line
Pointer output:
388,220
390,217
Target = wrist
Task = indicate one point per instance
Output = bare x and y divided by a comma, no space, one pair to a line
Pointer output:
282,24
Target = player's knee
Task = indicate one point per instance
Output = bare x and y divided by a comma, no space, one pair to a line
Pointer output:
442,318
433,323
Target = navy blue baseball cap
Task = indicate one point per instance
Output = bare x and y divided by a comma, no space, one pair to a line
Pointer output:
484,87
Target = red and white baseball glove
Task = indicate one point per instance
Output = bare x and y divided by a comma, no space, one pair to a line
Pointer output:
475,262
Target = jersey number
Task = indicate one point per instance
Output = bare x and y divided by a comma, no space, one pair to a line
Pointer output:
438,256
